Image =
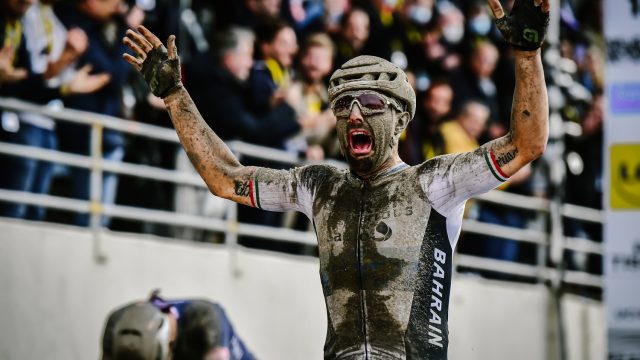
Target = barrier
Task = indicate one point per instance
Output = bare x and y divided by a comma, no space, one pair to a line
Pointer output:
545,240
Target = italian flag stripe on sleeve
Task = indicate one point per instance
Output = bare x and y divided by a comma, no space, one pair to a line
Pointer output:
254,192
257,194
490,158
253,203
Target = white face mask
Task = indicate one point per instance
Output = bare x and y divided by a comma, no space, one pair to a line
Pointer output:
391,3
453,33
419,15
480,25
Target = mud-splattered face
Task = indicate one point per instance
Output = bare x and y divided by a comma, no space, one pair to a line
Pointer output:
368,126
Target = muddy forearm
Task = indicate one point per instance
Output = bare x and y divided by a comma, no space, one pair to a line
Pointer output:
530,110
529,128
209,154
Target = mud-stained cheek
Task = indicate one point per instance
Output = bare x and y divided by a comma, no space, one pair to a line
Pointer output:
341,132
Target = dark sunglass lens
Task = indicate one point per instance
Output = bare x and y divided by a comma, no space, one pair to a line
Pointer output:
372,101
343,103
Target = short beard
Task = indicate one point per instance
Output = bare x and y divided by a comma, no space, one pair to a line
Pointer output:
361,167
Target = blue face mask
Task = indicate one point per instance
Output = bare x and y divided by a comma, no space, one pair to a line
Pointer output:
480,25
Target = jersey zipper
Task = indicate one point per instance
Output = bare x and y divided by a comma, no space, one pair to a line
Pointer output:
359,255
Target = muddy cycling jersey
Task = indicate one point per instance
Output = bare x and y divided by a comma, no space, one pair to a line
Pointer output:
385,247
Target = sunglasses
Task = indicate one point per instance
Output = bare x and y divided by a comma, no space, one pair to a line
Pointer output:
369,103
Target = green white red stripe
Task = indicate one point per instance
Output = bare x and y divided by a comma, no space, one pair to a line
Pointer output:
490,158
253,192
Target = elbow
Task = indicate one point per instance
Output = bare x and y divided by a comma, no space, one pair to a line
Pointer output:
535,151
217,189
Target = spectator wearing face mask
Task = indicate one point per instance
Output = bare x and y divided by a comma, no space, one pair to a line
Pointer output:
451,23
479,22
438,54
400,40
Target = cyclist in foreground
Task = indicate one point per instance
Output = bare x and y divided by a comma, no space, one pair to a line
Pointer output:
386,231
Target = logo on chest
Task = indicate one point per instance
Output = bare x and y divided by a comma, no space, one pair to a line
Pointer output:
383,232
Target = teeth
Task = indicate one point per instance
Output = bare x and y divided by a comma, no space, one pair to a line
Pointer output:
359,133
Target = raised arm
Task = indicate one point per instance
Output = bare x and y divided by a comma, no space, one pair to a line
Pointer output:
211,157
525,30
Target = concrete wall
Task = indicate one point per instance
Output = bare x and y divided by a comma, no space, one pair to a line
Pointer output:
54,297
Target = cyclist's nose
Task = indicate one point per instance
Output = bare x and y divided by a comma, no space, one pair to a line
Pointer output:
355,116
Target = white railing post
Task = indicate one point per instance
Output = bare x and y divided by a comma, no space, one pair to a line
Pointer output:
231,233
95,191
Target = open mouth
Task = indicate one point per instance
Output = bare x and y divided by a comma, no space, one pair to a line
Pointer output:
360,142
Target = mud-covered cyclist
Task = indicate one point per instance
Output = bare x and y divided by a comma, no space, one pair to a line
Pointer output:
386,231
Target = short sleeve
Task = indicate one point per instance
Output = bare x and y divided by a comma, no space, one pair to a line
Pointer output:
450,180
287,190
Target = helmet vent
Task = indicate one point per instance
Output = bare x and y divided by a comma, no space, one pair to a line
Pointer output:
385,76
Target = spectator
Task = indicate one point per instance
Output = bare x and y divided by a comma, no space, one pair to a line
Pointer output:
479,22
353,36
104,25
406,42
475,82
451,23
270,76
334,11
306,16
318,138
584,184
183,329
250,14
9,74
41,56
315,66
437,54
463,133
423,139
221,88
382,26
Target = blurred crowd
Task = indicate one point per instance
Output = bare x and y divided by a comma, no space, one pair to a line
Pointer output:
258,72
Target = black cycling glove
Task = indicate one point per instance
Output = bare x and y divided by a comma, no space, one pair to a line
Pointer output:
161,73
526,25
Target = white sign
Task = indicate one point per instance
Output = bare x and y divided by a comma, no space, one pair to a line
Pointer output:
622,171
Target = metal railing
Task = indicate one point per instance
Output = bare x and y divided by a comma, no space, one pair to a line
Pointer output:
544,239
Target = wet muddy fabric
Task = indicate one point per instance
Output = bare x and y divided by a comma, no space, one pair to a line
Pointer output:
385,247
